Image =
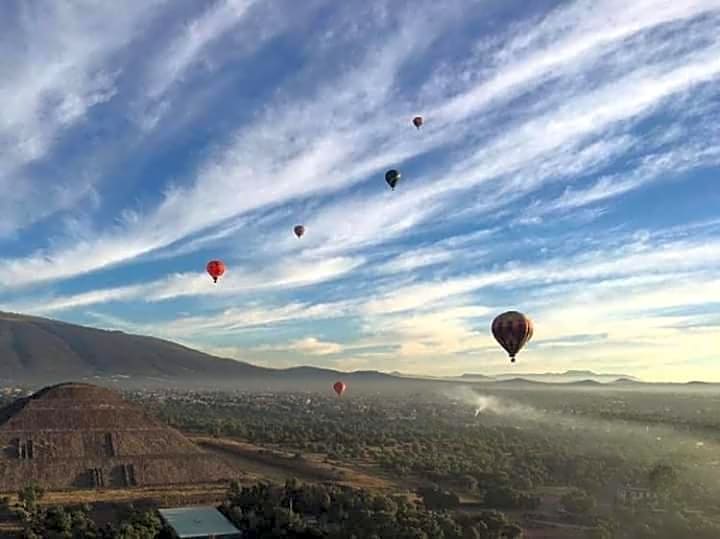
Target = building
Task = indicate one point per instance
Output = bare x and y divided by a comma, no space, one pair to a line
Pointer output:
199,523
632,495
76,435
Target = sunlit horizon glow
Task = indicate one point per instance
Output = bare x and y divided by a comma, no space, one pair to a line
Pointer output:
567,168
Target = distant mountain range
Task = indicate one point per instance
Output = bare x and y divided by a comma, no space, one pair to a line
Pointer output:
567,377
39,351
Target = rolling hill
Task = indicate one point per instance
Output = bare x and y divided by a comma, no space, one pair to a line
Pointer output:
40,351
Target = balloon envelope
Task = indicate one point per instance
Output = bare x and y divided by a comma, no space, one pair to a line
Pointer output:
339,388
418,121
512,330
215,268
299,230
392,176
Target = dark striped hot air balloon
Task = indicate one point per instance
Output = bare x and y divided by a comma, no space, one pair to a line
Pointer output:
418,121
512,330
299,230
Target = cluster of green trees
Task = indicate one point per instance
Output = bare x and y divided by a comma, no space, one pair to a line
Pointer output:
649,523
312,511
61,523
429,439
502,463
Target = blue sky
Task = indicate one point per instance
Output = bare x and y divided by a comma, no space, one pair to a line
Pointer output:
568,168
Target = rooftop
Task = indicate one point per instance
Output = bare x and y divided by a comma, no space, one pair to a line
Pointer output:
198,522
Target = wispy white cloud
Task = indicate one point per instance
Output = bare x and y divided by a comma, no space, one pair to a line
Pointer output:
262,150
419,258
187,47
285,275
308,345
56,67
568,39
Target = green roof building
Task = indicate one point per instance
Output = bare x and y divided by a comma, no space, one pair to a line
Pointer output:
199,523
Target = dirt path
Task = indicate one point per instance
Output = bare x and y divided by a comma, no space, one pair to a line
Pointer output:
280,465
206,492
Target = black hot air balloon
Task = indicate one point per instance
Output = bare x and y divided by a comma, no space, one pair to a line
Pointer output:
392,176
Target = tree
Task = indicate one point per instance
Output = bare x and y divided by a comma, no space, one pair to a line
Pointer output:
599,533
578,501
513,532
663,479
30,497
58,523
436,498
139,526
384,504
494,521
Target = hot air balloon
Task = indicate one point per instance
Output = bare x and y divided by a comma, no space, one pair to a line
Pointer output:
215,268
392,176
512,330
339,388
299,230
418,121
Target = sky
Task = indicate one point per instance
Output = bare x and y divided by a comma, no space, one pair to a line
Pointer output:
568,168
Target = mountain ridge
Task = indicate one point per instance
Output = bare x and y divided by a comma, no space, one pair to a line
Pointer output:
42,350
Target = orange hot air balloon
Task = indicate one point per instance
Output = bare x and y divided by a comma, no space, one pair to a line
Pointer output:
215,268
299,230
339,388
418,121
512,330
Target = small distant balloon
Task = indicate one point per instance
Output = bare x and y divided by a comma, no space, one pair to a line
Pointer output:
215,268
512,330
418,121
392,176
339,388
299,230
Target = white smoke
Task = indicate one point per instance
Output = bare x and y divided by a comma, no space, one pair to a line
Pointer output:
490,404
610,431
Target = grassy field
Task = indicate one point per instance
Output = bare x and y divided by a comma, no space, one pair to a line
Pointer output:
273,464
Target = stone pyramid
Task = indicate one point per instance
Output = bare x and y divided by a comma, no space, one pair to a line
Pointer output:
75,435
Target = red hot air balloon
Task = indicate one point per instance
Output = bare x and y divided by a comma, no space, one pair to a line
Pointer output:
299,230
512,330
215,268
418,121
339,388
